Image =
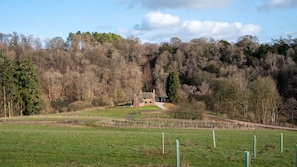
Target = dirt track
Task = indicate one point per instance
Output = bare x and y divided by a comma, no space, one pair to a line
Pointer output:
161,105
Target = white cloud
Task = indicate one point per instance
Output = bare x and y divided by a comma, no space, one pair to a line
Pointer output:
161,27
249,29
278,4
155,20
178,4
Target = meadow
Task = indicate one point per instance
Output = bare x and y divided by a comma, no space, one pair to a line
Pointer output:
58,145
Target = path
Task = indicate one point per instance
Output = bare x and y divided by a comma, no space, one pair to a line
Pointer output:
161,105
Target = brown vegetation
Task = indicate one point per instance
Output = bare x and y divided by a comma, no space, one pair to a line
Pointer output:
246,79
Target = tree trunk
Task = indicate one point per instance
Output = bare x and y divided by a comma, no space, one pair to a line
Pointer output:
292,116
9,109
245,108
4,101
49,89
21,110
273,119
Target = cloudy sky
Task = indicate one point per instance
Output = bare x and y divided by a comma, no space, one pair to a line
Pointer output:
152,20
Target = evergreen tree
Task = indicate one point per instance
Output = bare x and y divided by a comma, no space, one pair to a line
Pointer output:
20,89
173,87
8,84
29,96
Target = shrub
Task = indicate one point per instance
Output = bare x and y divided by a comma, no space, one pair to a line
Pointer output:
79,105
189,110
103,101
63,109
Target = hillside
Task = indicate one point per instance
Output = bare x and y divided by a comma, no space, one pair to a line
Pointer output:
246,79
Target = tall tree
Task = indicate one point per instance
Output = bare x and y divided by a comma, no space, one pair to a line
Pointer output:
56,43
20,85
5,79
264,99
221,98
173,87
29,91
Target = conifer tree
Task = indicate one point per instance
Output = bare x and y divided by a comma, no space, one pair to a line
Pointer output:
173,87
29,96
20,87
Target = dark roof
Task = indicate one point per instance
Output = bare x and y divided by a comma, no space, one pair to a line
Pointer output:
148,95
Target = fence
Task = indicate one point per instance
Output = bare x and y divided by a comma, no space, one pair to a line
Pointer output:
175,124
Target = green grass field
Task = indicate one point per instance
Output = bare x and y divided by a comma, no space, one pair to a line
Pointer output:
31,145
116,112
52,145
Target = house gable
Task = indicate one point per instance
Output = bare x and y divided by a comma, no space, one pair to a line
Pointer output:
144,99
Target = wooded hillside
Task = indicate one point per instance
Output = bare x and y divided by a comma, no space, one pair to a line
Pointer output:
247,79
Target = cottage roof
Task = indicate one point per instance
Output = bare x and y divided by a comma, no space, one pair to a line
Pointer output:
148,95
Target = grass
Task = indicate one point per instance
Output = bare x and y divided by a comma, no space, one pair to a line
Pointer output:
110,113
116,112
92,145
31,145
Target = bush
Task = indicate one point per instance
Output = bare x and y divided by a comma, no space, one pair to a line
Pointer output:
79,105
103,101
63,109
189,110
47,108
60,106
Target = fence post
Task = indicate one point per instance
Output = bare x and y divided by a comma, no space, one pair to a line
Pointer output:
281,142
246,159
177,153
255,146
214,138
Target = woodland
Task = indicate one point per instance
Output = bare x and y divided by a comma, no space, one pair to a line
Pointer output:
246,80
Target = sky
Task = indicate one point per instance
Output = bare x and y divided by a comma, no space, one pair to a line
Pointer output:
152,21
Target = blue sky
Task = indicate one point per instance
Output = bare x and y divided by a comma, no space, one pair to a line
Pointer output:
152,20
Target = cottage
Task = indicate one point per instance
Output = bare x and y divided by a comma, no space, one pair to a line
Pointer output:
144,99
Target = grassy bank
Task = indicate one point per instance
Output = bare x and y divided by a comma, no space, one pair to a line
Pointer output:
39,145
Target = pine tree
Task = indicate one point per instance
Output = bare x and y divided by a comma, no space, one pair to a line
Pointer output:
20,87
29,96
8,87
173,87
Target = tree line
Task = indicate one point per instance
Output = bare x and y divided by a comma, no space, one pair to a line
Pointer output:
244,79
21,93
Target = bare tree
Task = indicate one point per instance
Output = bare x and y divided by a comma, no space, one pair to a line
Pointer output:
241,94
55,44
265,100
53,83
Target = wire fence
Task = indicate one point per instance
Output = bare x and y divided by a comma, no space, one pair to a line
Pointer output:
175,124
